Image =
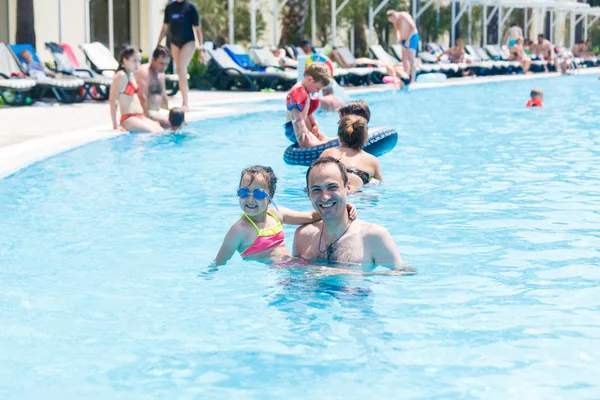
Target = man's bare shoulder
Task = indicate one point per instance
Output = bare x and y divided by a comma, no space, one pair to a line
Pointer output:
309,229
372,231
143,70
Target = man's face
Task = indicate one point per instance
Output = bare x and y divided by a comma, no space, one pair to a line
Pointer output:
306,48
160,64
327,192
27,56
540,39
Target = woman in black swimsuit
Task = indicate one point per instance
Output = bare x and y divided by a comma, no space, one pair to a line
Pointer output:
181,20
361,166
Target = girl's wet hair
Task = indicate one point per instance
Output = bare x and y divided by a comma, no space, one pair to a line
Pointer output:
266,172
126,54
356,108
352,131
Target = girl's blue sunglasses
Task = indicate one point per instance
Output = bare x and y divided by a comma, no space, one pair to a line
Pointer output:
258,194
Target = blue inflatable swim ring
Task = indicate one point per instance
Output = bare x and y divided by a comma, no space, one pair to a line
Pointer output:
382,139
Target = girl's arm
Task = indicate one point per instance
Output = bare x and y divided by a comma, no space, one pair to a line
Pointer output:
378,174
112,99
231,243
291,217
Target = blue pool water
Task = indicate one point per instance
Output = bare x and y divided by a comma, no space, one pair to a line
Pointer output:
105,294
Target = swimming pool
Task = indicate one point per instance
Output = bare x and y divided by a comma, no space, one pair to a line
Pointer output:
104,290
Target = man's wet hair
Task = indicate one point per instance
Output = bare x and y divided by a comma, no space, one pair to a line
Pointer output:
359,108
266,172
328,160
176,117
161,51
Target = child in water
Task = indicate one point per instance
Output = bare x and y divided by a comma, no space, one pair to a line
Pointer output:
258,234
537,98
176,118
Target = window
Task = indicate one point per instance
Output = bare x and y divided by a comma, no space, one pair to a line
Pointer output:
121,23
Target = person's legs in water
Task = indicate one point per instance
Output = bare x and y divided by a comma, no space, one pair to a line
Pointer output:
182,57
141,124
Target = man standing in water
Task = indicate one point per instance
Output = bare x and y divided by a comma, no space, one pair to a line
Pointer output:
407,35
152,90
336,238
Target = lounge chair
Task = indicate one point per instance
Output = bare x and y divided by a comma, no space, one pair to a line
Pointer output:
496,54
357,75
96,86
103,62
264,58
13,91
227,74
241,58
65,90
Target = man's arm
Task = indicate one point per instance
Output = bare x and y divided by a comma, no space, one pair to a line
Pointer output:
383,251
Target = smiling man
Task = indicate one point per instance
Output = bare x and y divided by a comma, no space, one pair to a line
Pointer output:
337,238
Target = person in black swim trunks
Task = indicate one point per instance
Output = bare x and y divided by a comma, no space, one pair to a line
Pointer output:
360,165
181,20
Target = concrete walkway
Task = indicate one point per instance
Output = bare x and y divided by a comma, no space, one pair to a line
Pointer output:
29,134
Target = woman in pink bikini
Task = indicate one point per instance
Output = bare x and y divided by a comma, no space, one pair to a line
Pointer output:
123,93
258,234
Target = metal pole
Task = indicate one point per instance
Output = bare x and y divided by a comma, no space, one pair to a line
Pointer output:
551,26
526,27
230,6
313,21
414,11
586,27
252,23
500,25
371,23
453,24
470,24
572,26
333,22
150,27
275,18
352,38
60,21
111,27
86,19
484,25
437,20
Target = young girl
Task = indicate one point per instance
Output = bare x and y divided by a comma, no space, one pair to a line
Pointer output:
258,234
123,92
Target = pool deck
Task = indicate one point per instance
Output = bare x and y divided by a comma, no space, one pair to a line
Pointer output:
30,134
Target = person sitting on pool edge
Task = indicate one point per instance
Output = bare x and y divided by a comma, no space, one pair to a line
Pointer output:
266,244
301,103
360,165
336,238
537,98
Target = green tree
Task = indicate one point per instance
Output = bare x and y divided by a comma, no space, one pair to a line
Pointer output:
25,22
295,14
215,20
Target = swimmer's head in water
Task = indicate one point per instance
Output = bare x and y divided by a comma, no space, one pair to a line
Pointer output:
327,90
537,93
176,117
359,108
130,59
352,131
161,57
259,178
327,187
316,77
